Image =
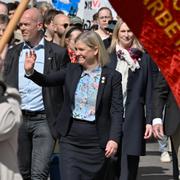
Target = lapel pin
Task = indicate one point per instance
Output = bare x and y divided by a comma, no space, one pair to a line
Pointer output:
49,58
103,79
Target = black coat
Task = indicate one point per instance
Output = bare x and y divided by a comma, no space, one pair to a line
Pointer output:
138,105
109,107
163,97
55,59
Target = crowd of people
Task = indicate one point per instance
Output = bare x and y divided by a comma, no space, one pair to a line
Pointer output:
96,93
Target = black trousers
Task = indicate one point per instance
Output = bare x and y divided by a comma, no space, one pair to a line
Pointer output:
174,162
128,165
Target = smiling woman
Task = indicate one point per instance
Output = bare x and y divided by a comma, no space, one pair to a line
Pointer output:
90,50
135,65
90,121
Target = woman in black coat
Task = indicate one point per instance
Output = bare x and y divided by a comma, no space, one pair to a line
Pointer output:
128,57
90,121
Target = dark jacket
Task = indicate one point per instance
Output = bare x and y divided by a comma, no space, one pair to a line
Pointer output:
163,98
109,107
56,58
138,105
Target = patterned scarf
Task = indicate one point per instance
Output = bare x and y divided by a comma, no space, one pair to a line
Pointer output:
129,57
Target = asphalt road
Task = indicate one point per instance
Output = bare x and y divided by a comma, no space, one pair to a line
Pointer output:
151,168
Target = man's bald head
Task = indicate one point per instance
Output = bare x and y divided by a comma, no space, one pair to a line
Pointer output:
34,14
31,25
61,18
61,22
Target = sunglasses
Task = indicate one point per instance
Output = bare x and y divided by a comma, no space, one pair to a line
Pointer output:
65,25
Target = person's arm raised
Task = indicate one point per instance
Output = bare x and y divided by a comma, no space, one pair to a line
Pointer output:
46,80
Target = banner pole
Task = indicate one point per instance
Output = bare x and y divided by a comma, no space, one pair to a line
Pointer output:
13,23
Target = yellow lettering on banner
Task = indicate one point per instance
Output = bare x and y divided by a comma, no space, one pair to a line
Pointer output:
175,5
155,7
164,18
172,29
146,2
178,44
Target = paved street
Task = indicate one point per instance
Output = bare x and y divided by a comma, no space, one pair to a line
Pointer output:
150,166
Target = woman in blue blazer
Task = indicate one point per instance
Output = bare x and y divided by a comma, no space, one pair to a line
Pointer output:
90,122
128,57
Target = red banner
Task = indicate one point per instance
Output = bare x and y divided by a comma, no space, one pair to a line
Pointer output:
156,23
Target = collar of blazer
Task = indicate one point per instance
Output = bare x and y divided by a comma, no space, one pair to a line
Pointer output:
49,56
105,72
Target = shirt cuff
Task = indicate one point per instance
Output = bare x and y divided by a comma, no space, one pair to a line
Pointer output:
29,74
157,121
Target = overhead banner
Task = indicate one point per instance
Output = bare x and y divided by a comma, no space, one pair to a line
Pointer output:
82,8
156,23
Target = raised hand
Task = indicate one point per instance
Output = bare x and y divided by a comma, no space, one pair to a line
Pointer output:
30,60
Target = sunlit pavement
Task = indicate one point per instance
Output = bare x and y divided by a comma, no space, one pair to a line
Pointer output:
150,166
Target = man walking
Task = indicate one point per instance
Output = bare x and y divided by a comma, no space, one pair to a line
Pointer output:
39,105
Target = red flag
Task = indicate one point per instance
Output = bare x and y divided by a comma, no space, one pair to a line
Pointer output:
156,23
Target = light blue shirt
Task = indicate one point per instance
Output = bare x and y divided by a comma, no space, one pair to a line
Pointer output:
86,95
31,93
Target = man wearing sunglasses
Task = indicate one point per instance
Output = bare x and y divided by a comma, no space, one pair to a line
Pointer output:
61,22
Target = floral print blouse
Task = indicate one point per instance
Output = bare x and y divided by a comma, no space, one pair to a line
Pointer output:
86,95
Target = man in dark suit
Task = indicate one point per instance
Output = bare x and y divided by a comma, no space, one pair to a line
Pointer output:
163,98
39,105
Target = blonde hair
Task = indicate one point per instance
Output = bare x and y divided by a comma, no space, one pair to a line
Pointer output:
93,40
114,41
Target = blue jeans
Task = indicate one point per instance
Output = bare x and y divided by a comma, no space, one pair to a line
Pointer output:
163,144
36,145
